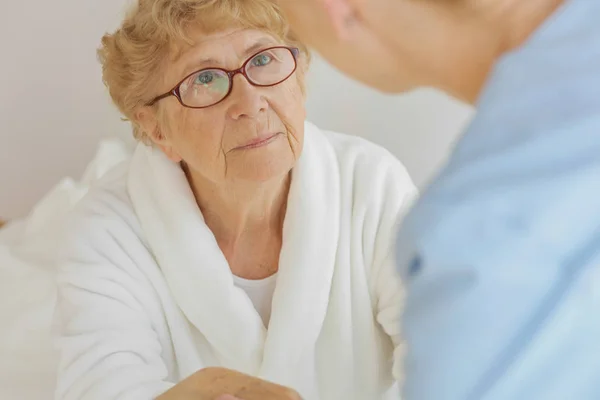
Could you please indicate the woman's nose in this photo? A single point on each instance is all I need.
(246, 99)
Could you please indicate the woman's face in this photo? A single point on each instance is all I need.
(255, 134)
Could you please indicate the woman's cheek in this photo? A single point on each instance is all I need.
(295, 98)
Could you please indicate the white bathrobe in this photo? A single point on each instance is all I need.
(146, 297)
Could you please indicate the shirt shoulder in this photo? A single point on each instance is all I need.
(103, 224)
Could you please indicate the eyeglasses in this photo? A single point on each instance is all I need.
(211, 86)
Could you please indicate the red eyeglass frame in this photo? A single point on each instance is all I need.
(231, 74)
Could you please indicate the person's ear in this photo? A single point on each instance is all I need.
(336, 11)
(341, 14)
(147, 119)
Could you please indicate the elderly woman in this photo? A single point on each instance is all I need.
(238, 236)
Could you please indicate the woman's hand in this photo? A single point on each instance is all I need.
(226, 384)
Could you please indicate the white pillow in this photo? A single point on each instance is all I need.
(27, 282)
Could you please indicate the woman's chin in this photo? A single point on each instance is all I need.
(263, 163)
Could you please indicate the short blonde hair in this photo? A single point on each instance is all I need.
(153, 29)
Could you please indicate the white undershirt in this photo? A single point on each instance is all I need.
(260, 293)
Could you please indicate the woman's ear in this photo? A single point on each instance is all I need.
(147, 119)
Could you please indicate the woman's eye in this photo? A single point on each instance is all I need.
(261, 60)
(204, 78)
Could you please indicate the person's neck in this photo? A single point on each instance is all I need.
(238, 210)
(515, 21)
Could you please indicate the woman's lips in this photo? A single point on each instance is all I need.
(259, 142)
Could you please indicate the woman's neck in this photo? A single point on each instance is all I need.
(237, 210)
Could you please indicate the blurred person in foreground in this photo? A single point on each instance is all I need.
(501, 255)
(241, 247)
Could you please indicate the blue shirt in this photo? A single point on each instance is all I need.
(501, 254)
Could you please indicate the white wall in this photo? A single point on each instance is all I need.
(52, 103)
(419, 128)
(54, 109)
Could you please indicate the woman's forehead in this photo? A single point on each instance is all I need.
(224, 49)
